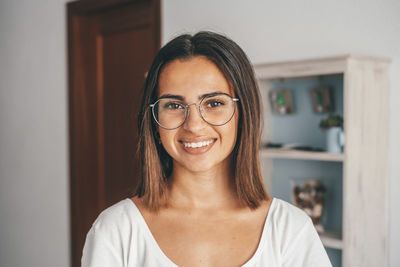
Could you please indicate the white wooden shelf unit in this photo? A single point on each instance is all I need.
(363, 240)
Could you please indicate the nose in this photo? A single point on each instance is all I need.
(194, 122)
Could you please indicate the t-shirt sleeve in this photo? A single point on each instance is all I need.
(305, 248)
(98, 250)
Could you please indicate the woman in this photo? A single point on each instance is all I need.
(201, 199)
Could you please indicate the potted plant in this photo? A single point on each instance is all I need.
(331, 121)
(333, 125)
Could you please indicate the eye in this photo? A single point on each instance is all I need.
(173, 106)
(213, 103)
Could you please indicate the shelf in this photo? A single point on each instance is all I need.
(359, 91)
(297, 154)
(331, 240)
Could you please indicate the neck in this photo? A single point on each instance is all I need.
(210, 189)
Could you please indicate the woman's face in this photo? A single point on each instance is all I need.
(197, 146)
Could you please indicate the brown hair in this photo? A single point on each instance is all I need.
(156, 164)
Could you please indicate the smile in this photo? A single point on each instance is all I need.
(199, 147)
(198, 144)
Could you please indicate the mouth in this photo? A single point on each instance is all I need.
(196, 147)
(198, 144)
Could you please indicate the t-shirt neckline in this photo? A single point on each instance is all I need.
(161, 255)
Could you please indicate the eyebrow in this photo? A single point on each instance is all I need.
(181, 98)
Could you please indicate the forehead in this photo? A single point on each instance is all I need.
(192, 77)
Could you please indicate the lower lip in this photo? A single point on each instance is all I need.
(197, 150)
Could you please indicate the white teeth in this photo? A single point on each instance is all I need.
(199, 144)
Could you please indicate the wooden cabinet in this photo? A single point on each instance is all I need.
(356, 210)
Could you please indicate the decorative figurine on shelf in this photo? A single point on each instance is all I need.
(281, 101)
(333, 125)
(321, 100)
(310, 198)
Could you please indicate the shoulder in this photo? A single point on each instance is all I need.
(120, 217)
(287, 214)
(110, 235)
(287, 221)
(299, 243)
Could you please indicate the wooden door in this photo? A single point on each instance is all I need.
(111, 45)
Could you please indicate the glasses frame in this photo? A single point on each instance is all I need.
(187, 110)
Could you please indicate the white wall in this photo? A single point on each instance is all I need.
(284, 30)
(34, 220)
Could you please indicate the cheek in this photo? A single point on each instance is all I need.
(167, 139)
(163, 135)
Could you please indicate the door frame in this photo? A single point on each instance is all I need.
(86, 143)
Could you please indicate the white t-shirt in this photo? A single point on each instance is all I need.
(121, 237)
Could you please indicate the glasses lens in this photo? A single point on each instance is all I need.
(217, 110)
(169, 113)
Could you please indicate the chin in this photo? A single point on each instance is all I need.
(199, 166)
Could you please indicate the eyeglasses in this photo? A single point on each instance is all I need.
(216, 109)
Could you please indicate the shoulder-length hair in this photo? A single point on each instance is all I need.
(156, 164)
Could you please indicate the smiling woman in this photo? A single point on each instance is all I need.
(227, 70)
(198, 80)
(201, 200)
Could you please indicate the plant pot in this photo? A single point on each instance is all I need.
(334, 140)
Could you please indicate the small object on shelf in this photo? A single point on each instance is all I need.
(334, 134)
(310, 198)
(308, 148)
(281, 101)
(321, 100)
(331, 121)
(273, 145)
(334, 140)
(293, 146)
